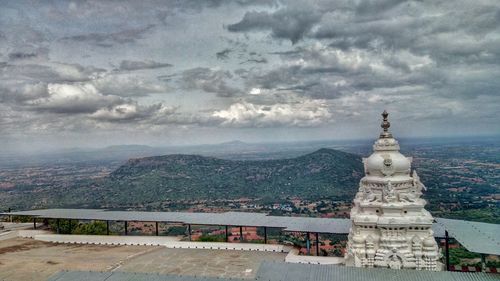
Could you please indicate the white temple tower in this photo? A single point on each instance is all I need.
(390, 227)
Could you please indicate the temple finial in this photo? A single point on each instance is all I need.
(385, 125)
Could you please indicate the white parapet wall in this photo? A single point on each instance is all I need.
(231, 246)
(169, 242)
(8, 235)
(165, 241)
(30, 233)
(105, 240)
(294, 257)
(13, 230)
(11, 226)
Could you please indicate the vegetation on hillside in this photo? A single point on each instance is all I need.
(78, 227)
(325, 173)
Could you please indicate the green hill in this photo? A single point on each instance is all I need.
(325, 173)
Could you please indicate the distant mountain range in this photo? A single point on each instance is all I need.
(237, 150)
(325, 173)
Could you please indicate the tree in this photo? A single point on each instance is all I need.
(91, 228)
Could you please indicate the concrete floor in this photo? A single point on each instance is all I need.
(27, 259)
(219, 263)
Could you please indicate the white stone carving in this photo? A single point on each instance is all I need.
(390, 227)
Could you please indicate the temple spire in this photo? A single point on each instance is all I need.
(390, 227)
(385, 125)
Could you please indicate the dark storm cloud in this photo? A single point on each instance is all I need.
(312, 71)
(288, 23)
(255, 60)
(137, 65)
(199, 5)
(318, 90)
(377, 6)
(109, 39)
(388, 24)
(275, 78)
(224, 54)
(393, 44)
(208, 80)
(167, 77)
(254, 57)
(448, 35)
(21, 55)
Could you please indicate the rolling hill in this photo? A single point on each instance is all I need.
(325, 173)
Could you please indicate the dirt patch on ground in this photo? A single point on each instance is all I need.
(25, 246)
(213, 263)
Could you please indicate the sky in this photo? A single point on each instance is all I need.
(99, 73)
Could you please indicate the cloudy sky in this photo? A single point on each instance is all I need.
(97, 73)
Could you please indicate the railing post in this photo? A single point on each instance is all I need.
(308, 244)
(227, 234)
(156, 228)
(317, 244)
(447, 249)
(265, 235)
(483, 262)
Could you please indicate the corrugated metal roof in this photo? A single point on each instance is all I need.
(303, 224)
(478, 237)
(299, 224)
(126, 276)
(277, 271)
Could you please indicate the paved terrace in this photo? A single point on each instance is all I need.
(31, 259)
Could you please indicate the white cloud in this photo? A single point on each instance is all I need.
(117, 112)
(132, 111)
(306, 113)
(77, 98)
(255, 91)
